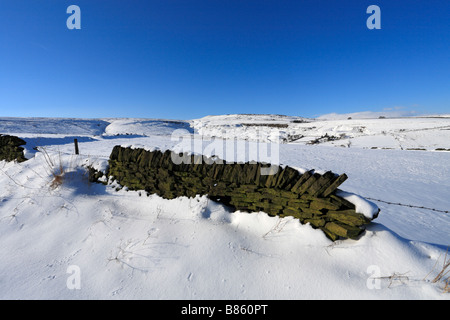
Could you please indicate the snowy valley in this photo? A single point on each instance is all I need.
(127, 245)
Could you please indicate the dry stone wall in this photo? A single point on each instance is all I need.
(10, 148)
(309, 197)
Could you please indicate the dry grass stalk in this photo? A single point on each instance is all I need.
(56, 170)
(441, 276)
(443, 273)
(401, 277)
(57, 181)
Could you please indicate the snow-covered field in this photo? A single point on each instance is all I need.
(427, 133)
(88, 241)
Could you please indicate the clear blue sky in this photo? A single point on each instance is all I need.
(184, 59)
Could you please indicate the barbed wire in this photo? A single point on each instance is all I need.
(407, 205)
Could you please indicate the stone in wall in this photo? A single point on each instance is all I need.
(10, 148)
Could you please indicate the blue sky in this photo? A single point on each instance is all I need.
(182, 59)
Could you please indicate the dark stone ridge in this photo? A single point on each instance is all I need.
(309, 197)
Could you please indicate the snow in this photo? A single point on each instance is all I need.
(128, 245)
(145, 127)
(248, 127)
(363, 206)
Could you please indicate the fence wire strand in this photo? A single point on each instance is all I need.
(407, 205)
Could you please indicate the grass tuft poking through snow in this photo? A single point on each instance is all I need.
(55, 168)
(443, 276)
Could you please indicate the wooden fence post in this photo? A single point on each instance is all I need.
(76, 146)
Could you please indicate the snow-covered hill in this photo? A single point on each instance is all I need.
(125, 245)
(428, 133)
